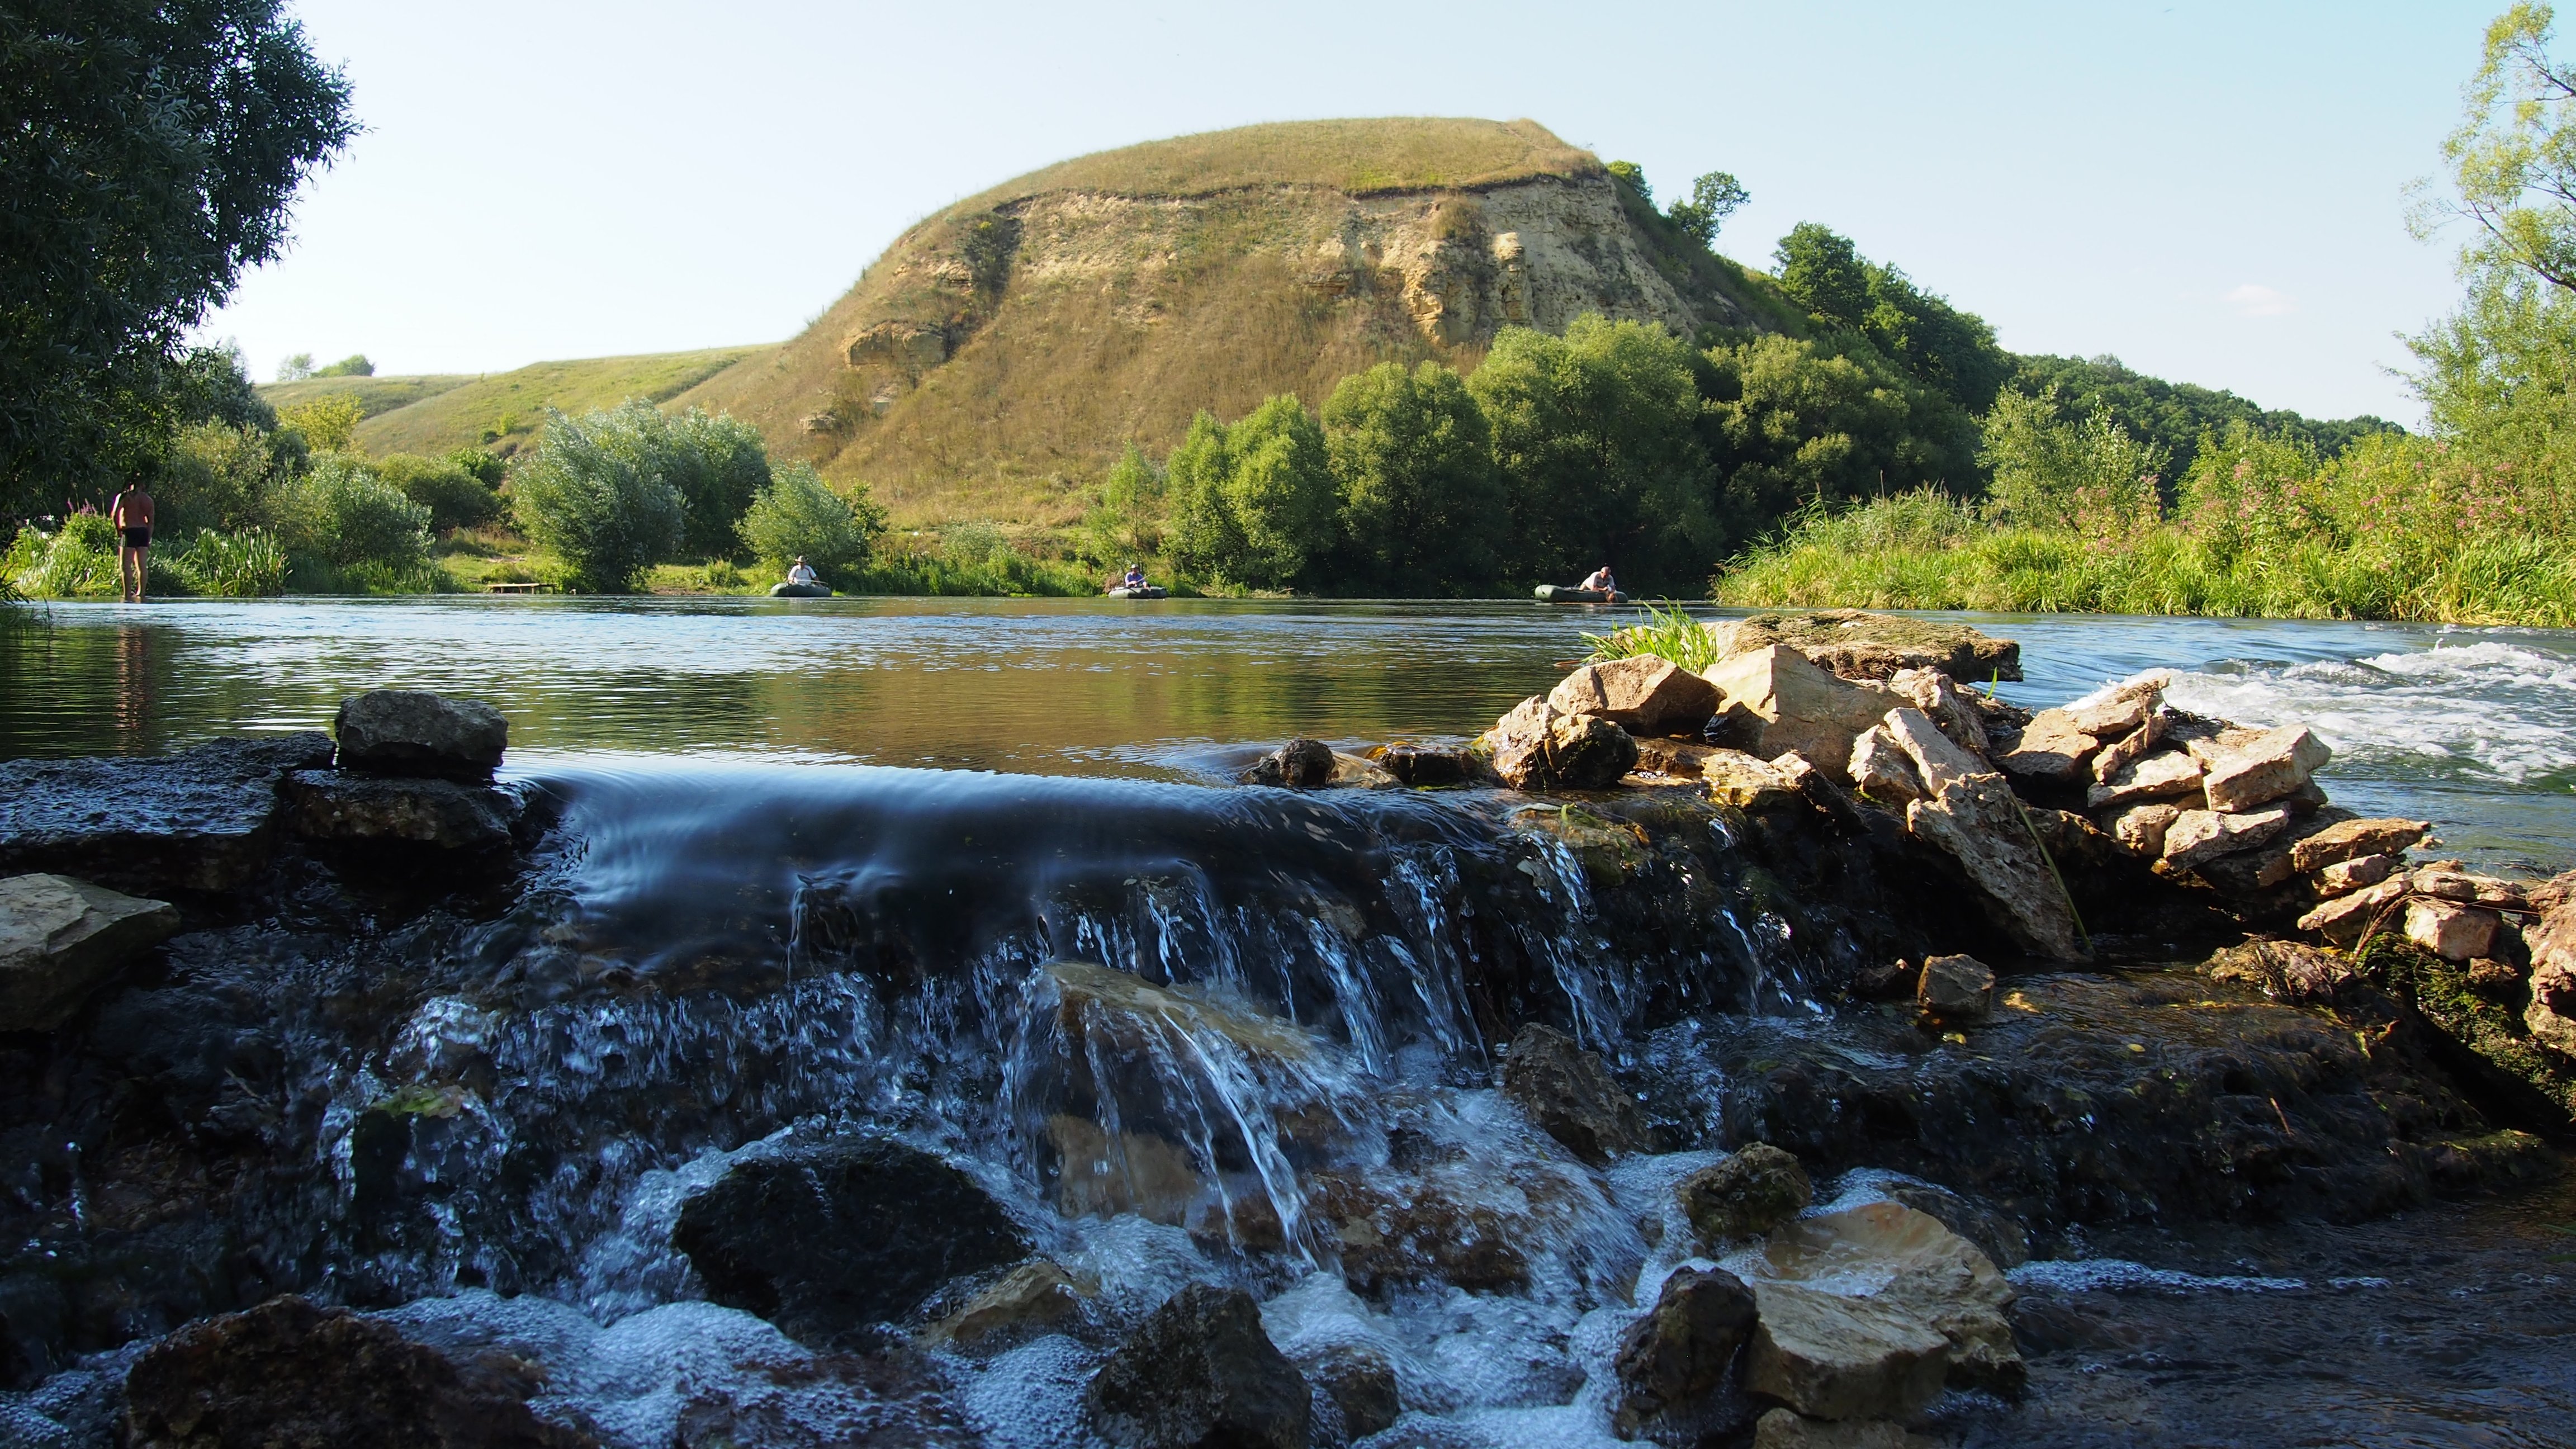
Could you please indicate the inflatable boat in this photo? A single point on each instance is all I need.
(1149, 591)
(1565, 594)
(799, 591)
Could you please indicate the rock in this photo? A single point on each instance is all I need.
(1300, 764)
(2551, 1017)
(1038, 1294)
(1570, 1095)
(2128, 749)
(1352, 772)
(1644, 695)
(1362, 1384)
(1882, 771)
(1738, 779)
(2123, 708)
(1906, 1261)
(2346, 876)
(1954, 710)
(827, 1241)
(2449, 884)
(2050, 751)
(61, 938)
(2284, 970)
(1734, 727)
(1676, 759)
(198, 820)
(1955, 990)
(1979, 823)
(2488, 973)
(2353, 839)
(1784, 1429)
(1833, 1357)
(1857, 645)
(1937, 759)
(2141, 828)
(2204, 835)
(340, 805)
(1671, 1362)
(1750, 1193)
(1199, 1373)
(289, 1374)
(2344, 919)
(2552, 893)
(1426, 767)
(2247, 874)
(2241, 769)
(2450, 930)
(2005, 1243)
(417, 733)
(1802, 708)
(1537, 748)
(2157, 777)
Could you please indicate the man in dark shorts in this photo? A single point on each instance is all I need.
(132, 515)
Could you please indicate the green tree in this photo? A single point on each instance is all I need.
(797, 515)
(1124, 522)
(327, 424)
(2049, 473)
(148, 153)
(1252, 503)
(1713, 199)
(342, 515)
(217, 477)
(2174, 415)
(353, 365)
(454, 497)
(295, 368)
(598, 498)
(1413, 461)
(1200, 529)
(1632, 176)
(1940, 345)
(717, 463)
(1595, 436)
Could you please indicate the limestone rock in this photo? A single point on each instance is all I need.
(1674, 759)
(1642, 695)
(1955, 990)
(1362, 1384)
(202, 819)
(1426, 766)
(2172, 775)
(1785, 1429)
(2004, 1241)
(414, 732)
(2353, 839)
(1858, 645)
(2204, 835)
(1738, 779)
(2244, 769)
(1300, 764)
(1916, 1266)
(1937, 759)
(1537, 748)
(1882, 771)
(287, 1373)
(2128, 749)
(2446, 883)
(2050, 751)
(2552, 893)
(60, 938)
(1979, 823)
(1954, 710)
(1675, 1359)
(1834, 1357)
(2346, 876)
(1200, 1373)
(2121, 709)
(829, 1240)
(2552, 1013)
(1802, 707)
(1570, 1095)
(2344, 919)
(1038, 1294)
(2141, 828)
(2287, 970)
(2450, 930)
(1750, 1193)
(342, 805)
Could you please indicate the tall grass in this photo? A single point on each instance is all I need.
(1664, 633)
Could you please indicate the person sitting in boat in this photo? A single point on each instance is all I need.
(1135, 578)
(798, 573)
(1600, 582)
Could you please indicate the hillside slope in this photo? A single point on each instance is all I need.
(374, 394)
(999, 355)
(433, 414)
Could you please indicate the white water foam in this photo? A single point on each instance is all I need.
(2119, 1275)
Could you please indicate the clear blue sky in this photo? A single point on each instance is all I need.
(2213, 192)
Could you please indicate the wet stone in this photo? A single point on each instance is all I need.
(1748, 1194)
(1570, 1094)
(201, 819)
(1300, 764)
(1674, 1361)
(1537, 748)
(1362, 1384)
(443, 814)
(1955, 990)
(412, 732)
(1427, 766)
(61, 938)
(1200, 1373)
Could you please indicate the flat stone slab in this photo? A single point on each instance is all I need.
(340, 805)
(61, 937)
(1860, 645)
(201, 819)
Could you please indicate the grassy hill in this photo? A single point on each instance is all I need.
(434, 414)
(374, 394)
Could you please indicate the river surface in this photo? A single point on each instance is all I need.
(693, 976)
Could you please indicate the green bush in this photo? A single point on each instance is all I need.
(798, 514)
(454, 497)
(1252, 504)
(214, 479)
(233, 565)
(340, 516)
(1413, 462)
(76, 561)
(596, 495)
(1125, 523)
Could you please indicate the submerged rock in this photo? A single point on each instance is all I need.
(1362, 1384)
(443, 814)
(1858, 645)
(1570, 1095)
(412, 732)
(1750, 1193)
(289, 1374)
(1674, 1361)
(61, 938)
(1300, 764)
(830, 1240)
(202, 819)
(1200, 1373)
(1642, 695)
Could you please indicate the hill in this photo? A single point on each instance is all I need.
(999, 355)
(374, 394)
(433, 414)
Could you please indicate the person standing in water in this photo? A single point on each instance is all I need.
(131, 514)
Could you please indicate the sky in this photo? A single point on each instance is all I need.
(2212, 192)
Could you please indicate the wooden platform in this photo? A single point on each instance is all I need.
(520, 589)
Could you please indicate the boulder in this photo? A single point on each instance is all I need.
(2552, 893)
(2446, 882)
(2128, 749)
(2243, 769)
(1785, 1429)
(202, 819)
(2552, 1013)
(414, 732)
(2140, 829)
(1675, 1360)
(1300, 764)
(1979, 823)
(341, 805)
(2172, 775)
(2197, 836)
(1362, 1384)
(1738, 779)
(60, 938)
(1427, 767)
(2004, 1241)
(1200, 1373)
(1643, 695)
(2346, 876)
(2451, 930)
(1937, 759)
(1955, 990)
(1882, 771)
(830, 1240)
(1753, 1191)
(2050, 751)
(2343, 919)
(289, 1374)
(2353, 839)
(1834, 1357)
(1037, 1295)
(1673, 759)
(1957, 712)
(1802, 708)
(1570, 1095)
(1537, 748)
(1858, 645)
(1907, 1261)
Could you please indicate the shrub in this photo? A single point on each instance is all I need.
(233, 565)
(717, 464)
(75, 561)
(598, 498)
(1413, 462)
(1252, 504)
(341, 516)
(326, 424)
(214, 479)
(353, 365)
(798, 514)
(1125, 522)
(454, 497)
